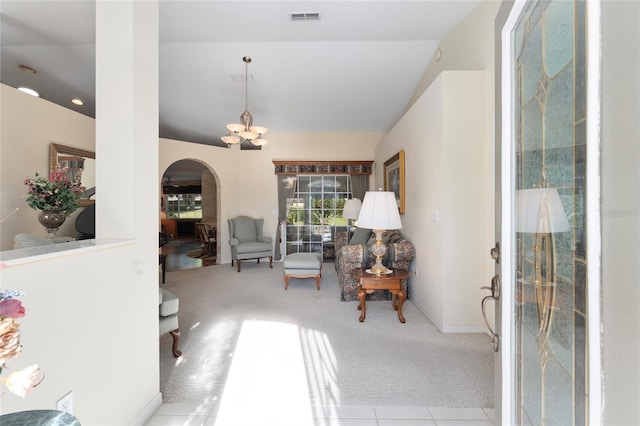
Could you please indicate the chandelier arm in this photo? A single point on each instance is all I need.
(246, 85)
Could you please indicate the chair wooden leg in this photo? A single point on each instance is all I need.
(175, 334)
(271, 262)
(238, 262)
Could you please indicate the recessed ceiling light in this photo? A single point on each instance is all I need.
(77, 101)
(27, 68)
(29, 91)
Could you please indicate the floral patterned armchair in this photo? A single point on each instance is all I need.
(349, 257)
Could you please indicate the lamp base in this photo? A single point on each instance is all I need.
(379, 250)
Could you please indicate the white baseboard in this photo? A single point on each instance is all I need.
(449, 328)
(148, 411)
(464, 329)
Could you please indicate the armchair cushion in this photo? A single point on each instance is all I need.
(169, 303)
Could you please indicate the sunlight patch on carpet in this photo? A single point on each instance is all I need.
(322, 371)
(267, 370)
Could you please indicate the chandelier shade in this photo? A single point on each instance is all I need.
(245, 130)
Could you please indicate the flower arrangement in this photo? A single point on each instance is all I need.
(58, 193)
(21, 382)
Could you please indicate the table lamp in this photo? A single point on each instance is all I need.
(351, 211)
(379, 212)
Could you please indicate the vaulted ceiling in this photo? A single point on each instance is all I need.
(352, 70)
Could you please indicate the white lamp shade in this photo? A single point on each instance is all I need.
(230, 139)
(351, 208)
(540, 210)
(236, 128)
(259, 130)
(379, 211)
(260, 142)
(248, 135)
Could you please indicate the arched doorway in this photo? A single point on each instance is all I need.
(189, 197)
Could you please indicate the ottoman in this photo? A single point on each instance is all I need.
(302, 265)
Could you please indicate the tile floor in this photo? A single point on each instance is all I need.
(182, 414)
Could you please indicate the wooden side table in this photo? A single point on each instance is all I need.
(368, 283)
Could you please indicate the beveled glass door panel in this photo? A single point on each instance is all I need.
(549, 110)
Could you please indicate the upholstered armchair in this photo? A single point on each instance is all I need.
(247, 240)
(168, 305)
(356, 254)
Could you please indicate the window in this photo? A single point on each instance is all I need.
(184, 206)
(315, 213)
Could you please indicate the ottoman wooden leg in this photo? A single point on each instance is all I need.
(286, 282)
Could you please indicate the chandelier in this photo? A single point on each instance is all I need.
(245, 130)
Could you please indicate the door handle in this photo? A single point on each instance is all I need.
(495, 295)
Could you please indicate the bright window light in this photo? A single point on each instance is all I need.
(268, 370)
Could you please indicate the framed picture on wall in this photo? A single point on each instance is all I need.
(394, 178)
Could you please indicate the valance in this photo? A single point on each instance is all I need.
(323, 167)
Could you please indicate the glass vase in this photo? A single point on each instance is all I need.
(51, 220)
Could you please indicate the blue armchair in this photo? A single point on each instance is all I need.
(247, 240)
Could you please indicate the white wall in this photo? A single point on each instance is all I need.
(620, 156)
(443, 135)
(470, 46)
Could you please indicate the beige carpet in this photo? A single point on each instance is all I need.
(245, 337)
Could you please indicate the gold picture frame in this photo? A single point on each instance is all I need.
(394, 178)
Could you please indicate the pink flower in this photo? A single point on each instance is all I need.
(11, 308)
(22, 382)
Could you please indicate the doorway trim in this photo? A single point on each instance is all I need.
(593, 209)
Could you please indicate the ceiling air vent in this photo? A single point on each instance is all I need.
(308, 16)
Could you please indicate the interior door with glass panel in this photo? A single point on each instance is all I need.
(544, 157)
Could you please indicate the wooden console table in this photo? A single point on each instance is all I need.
(368, 283)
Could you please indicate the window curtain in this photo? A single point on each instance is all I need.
(286, 188)
(359, 185)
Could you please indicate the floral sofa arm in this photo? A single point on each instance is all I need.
(340, 240)
(351, 257)
(401, 254)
